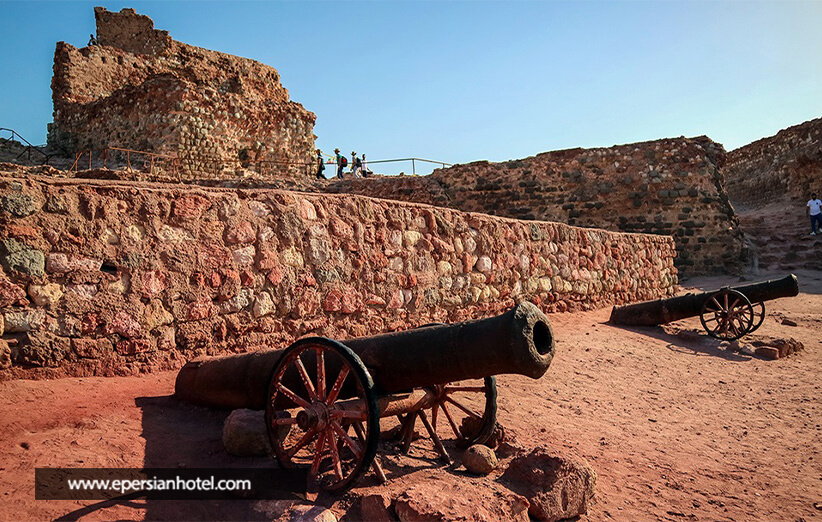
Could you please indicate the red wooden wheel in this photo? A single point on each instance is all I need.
(322, 413)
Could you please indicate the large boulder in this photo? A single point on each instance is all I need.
(556, 486)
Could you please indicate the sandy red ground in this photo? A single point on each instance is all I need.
(676, 427)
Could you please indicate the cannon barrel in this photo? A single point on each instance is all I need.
(519, 341)
(661, 311)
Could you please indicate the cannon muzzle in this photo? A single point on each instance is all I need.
(519, 341)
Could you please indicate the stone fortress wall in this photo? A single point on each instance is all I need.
(788, 164)
(668, 187)
(111, 278)
(141, 90)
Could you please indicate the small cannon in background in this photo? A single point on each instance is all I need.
(727, 313)
(323, 399)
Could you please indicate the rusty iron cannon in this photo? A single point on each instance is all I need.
(324, 399)
(727, 313)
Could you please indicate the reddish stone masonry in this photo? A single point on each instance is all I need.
(114, 278)
(141, 90)
(673, 187)
(788, 164)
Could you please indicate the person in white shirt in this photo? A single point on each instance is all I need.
(815, 211)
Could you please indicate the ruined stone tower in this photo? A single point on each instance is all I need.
(139, 89)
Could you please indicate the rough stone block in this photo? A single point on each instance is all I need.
(18, 205)
(16, 255)
(556, 486)
(245, 435)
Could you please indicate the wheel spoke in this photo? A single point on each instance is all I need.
(320, 373)
(306, 380)
(434, 411)
(732, 328)
(318, 456)
(335, 455)
(358, 429)
(293, 396)
(306, 438)
(347, 439)
(463, 408)
(451, 422)
(335, 390)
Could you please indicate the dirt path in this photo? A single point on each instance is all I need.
(676, 427)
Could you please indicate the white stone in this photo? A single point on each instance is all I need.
(238, 302)
(174, 234)
(444, 267)
(395, 264)
(110, 237)
(411, 238)
(263, 305)
(244, 256)
(86, 291)
(265, 234)
(23, 320)
(292, 257)
(470, 245)
(258, 208)
(46, 295)
(484, 264)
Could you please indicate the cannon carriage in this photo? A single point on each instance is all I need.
(727, 313)
(324, 399)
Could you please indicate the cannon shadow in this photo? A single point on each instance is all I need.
(686, 342)
(179, 435)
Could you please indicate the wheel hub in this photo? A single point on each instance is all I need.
(315, 416)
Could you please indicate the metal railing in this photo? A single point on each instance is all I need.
(333, 161)
(103, 157)
(28, 148)
(413, 162)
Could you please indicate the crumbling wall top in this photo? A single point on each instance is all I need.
(130, 32)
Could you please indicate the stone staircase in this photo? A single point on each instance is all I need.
(780, 239)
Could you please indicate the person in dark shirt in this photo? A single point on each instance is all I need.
(340, 163)
(320, 165)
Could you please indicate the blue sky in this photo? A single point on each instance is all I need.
(459, 81)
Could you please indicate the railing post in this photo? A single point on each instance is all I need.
(413, 167)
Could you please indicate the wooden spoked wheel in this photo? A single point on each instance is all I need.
(759, 315)
(727, 315)
(322, 413)
(465, 411)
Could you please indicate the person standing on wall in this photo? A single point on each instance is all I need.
(356, 165)
(320, 165)
(365, 171)
(340, 163)
(815, 212)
